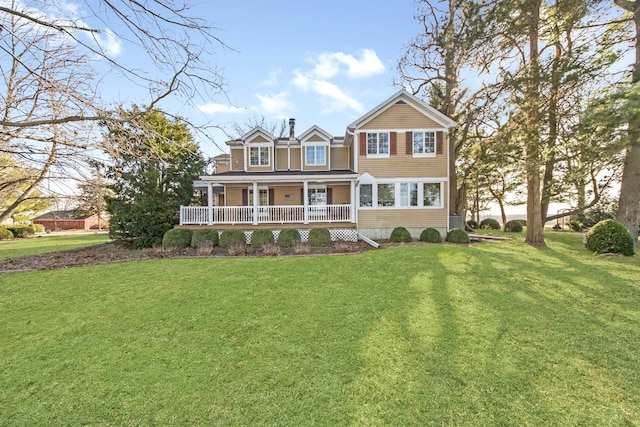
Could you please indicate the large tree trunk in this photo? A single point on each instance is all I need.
(535, 235)
(629, 209)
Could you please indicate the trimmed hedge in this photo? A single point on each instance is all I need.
(430, 235)
(177, 237)
(204, 235)
(261, 237)
(400, 235)
(5, 234)
(489, 223)
(472, 224)
(20, 231)
(456, 235)
(513, 226)
(609, 236)
(288, 237)
(319, 237)
(230, 236)
(38, 228)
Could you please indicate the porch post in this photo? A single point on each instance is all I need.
(305, 201)
(354, 203)
(209, 203)
(255, 203)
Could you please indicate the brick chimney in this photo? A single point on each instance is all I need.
(292, 128)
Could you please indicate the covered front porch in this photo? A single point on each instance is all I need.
(274, 199)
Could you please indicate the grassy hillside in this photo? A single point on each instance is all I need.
(496, 333)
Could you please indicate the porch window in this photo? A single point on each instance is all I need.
(378, 143)
(386, 195)
(409, 194)
(263, 197)
(315, 155)
(424, 142)
(259, 156)
(432, 194)
(317, 196)
(366, 195)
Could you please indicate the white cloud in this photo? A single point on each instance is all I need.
(275, 105)
(214, 108)
(328, 65)
(272, 80)
(335, 99)
(109, 43)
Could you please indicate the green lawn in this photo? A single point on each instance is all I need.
(44, 244)
(496, 333)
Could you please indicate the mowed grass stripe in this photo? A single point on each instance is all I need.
(490, 334)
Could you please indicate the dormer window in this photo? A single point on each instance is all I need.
(315, 155)
(259, 156)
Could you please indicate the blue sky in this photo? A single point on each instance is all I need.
(321, 62)
(324, 63)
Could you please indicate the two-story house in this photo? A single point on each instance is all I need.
(390, 169)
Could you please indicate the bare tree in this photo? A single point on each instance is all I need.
(53, 62)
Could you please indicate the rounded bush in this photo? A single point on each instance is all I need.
(457, 235)
(319, 237)
(37, 228)
(609, 236)
(400, 235)
(514, 226)
(289, 237)
(5, 234)
(489, 223)
(20, 231)
(204, 235)
(232, 236)
(261, 237)
(177, 237)
(430, 235)
(472, 224)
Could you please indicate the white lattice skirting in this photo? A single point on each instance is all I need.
(344, 234)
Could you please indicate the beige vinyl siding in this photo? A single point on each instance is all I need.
(339, 157)
(315, 138)
(237, 163)
(222, 167)
(295, 159)
(279, 194)
(340, 194)
(258, 138)
(403, 165)
(233, 196)
(282, 162)
(400, 117)
(391, 218)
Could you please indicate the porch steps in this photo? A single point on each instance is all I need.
(368, 240)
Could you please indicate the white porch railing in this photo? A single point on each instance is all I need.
(191, 215)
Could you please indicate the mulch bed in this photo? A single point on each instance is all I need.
(110, 253)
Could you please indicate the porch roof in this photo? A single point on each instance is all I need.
(231, 177)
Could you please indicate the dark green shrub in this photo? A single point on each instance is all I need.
(37, 228)
(522, 222)
(319, 237)
(430, 235)
(513, 226)
(232, 236)
(261, 237)
(609, 236)
(177, 237)
(20, 231)
(489, 223)
(204, 235)
(456, 235)
(5, 234)
(472, 224)
(288, 237)
(400, 235)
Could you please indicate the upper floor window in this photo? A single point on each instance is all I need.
(424, 142)
(315, 155)
(378, 143)
(259, 156)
